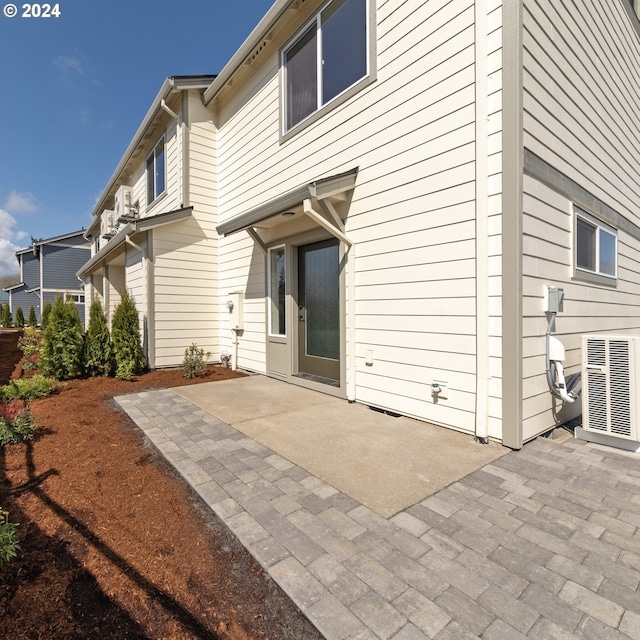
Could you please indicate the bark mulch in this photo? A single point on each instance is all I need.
(113, 543)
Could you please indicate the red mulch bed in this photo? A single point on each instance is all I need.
(113, 543)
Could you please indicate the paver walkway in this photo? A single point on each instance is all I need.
(542, 543)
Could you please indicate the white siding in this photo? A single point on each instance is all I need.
(186, 295)
(588, 308)
(582, 96)
(412, 216)
(582, 116)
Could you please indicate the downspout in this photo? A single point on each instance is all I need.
(145, 286)
(482, 226)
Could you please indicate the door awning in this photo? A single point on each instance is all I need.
(323, 189)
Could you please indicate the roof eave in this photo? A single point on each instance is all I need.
(170, 84)
(265, 25)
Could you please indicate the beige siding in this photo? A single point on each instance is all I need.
(412, 216)
(581, 116)
(588, 308)
(582, 96)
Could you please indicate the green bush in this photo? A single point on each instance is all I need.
(125, 333)
(16, 422)
(46, 312)
(6, 320)
(27, 389)
(97, 354)
(29, 342)
(8, 538)
(19, 317)
(33, 319)
(61, 353)
(194, 363)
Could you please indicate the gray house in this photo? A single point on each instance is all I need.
(47, 269)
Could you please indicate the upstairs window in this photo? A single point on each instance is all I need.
(156, 172)
(596, 246)
(325, 59)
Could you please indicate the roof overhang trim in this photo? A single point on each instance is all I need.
(131, 228)
(318, 190)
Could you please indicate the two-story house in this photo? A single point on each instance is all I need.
(48, 269)
(389, 189)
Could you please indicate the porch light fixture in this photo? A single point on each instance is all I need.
(288, 214)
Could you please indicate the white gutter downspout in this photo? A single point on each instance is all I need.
(350, 255)
(145, 299)
(482, 225)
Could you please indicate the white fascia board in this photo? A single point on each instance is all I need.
(170, 84)
(246, 48)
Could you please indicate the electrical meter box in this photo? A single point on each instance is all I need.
(235, 308)
(553, 299)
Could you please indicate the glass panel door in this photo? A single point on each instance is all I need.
(319, 310)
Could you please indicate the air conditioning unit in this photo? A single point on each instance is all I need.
(107, 221)
(123, 202)
(611, 390)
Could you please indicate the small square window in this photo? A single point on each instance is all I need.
(596, 246)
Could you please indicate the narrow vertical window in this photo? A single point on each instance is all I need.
(156, 172)
(277, 290)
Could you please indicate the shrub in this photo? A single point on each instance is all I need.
(97, 353)
(8, 539)
(16, 422)
(125, 333)
(29, 342)
(33, 320)
(194, 363)
(46, 312)
(61, 354)
(19, 317)
(38, 386)
(6, 320)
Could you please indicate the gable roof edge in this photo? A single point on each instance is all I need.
(277, 10)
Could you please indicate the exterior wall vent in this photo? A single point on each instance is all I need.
(611, 390)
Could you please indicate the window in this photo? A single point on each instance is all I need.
(326, 58)
(156, 172)
(75, 297)
(596, 246)
(277, 290)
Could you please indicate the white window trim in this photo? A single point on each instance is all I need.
(322, 109)
(580, 273)
(269, 298)
(157, 196)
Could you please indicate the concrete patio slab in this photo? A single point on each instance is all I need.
(346, 445)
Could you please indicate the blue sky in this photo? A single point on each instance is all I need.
(75, 88)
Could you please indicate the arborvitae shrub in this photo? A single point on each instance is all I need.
(6, 320)
(98, 348)
(61, 354)
(46, 311)
(125, 333)
(33, 320)
(19, 317)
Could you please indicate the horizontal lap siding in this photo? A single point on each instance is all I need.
(582, 116)
(582, 96)
(588, 308)
(60, 264)
(411, 133)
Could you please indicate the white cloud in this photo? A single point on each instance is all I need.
(21, 203)
(70, 64)
(8, 248)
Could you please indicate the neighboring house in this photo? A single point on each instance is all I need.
(153, 228)
(47, 269)
(393, 184)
